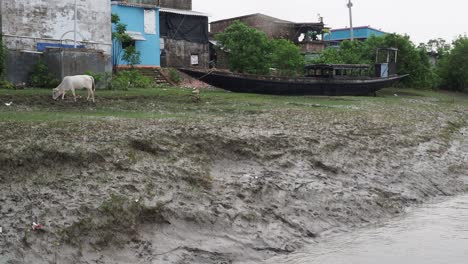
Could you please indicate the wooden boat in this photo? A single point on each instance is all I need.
(320, 79)
(325, 83)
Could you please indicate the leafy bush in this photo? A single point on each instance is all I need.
(41, 77)
(174, 76)
(453, 67)
(128, 79)
(286, 57)
(131, 56)
(102, 80)
(97, 76)
(6, 85)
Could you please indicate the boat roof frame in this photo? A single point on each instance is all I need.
(337, 67)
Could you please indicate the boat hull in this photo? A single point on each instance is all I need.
(292, 85)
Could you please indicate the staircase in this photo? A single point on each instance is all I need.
(156, 75)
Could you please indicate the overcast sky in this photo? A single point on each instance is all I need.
(421, 19)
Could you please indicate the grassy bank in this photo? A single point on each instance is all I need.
(37, 105)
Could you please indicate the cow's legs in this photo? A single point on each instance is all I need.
(63, 95)
(92, 95)
(87, 99)
(74, 94)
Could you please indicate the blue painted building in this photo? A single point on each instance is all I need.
(142, 22)
(336, 36)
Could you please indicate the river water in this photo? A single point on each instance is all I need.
(433, 234)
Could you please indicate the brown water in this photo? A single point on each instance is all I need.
(433, 234)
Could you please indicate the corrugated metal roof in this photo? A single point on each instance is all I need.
(182, 12)
(134, 5)
(274, 19)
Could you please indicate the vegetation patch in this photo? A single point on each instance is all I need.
(451, 128)
(41, 76)
(116, 218)
(146, 146)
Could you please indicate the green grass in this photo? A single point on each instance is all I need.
(160, 103)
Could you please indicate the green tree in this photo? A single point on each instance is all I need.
(438, 46)
(119, 36)
(250, 51)
(411, 59)
(453, 68)
(131, 56)
(329, 56)
(286, 57)
(247, 49)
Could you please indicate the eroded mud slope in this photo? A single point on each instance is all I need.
(223, 191)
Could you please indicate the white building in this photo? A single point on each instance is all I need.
(30, 27)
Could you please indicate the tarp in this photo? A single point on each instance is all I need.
(43, 46)
(184, 27)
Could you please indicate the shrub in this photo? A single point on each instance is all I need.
(41, 77)
(97, 76)
(131, 56)
(6, 85)
(174, 76)
(128, 79)
(286, 58)
(102, 80)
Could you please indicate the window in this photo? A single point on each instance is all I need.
(194, 59)
(150, 21)
(128, 44)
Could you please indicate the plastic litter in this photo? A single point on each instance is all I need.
(37, 227)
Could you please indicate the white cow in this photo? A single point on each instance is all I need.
(71, 83)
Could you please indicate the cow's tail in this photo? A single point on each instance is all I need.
(94, 84)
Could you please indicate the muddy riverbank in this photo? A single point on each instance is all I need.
(232, 188)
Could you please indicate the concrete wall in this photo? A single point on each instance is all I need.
(312, 46)
(19, 66)
(178, 53)
(261, 22)
(149, 48)
(61, 63)
(176, 4)
(25, 23)
(66, 62)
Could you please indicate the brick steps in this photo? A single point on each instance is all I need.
(155, 74)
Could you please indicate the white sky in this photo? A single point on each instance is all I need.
(421, 19)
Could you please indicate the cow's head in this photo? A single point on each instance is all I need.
(56, 93)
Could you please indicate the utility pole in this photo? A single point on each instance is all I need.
(350, 6)
(74, 30)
